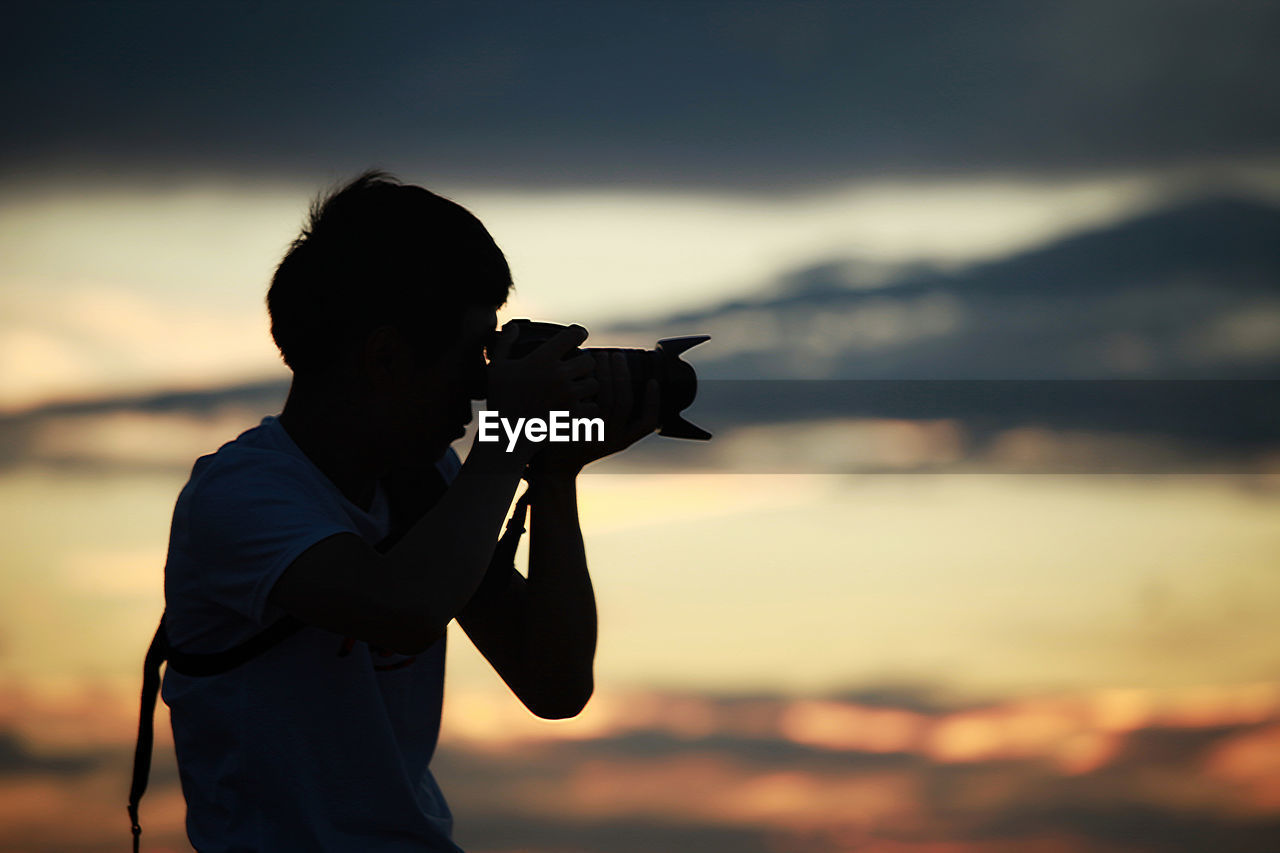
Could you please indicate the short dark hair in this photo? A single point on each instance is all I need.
(379, 252)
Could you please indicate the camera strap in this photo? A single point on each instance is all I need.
(503, 562)
(216, 663)
(496, 578)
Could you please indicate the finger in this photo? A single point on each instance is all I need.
(579, 366)
(566, 339)
(623, 398)
(605, 376)
(587, 410)
(581, 389)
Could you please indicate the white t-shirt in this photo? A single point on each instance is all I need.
(320, 743)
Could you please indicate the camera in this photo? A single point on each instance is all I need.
(677, 382)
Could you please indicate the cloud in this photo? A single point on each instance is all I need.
(98, 339)
(16, 758)
(837, 366)
(158, 431)
(714, 94)
(37, 364)
(1078, 772)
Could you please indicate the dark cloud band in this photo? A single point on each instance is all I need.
(729, 95)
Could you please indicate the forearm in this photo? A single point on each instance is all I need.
(561, 602)
(436, 567)
(539, 632)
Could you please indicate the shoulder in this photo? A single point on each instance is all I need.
(249, 488)
(247, 511)
(244, 471)
(254, 463)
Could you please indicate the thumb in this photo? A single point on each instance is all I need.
(500, 346)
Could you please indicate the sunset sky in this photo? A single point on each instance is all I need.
(635, 161)
(134, 255)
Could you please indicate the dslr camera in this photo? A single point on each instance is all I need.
(677, 382)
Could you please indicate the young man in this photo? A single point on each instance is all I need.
(350, 514)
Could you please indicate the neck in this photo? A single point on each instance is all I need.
(334, 434)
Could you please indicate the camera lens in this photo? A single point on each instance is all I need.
(677, 380)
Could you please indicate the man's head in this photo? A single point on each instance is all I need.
(380, 253)
(390, 288)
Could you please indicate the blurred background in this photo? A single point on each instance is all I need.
(985, 555)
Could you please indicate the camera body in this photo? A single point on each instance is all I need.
(677, 381)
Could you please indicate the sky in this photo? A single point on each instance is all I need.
(776, 96)
(109, 289)
(635, 161)
(631, 159)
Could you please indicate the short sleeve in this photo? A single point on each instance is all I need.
(449, 465)
(247, 518)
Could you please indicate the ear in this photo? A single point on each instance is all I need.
(385, 357)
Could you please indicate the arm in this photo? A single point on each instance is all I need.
(404, 599)
(540, 634)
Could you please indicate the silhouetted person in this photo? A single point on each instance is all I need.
(350, 519)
